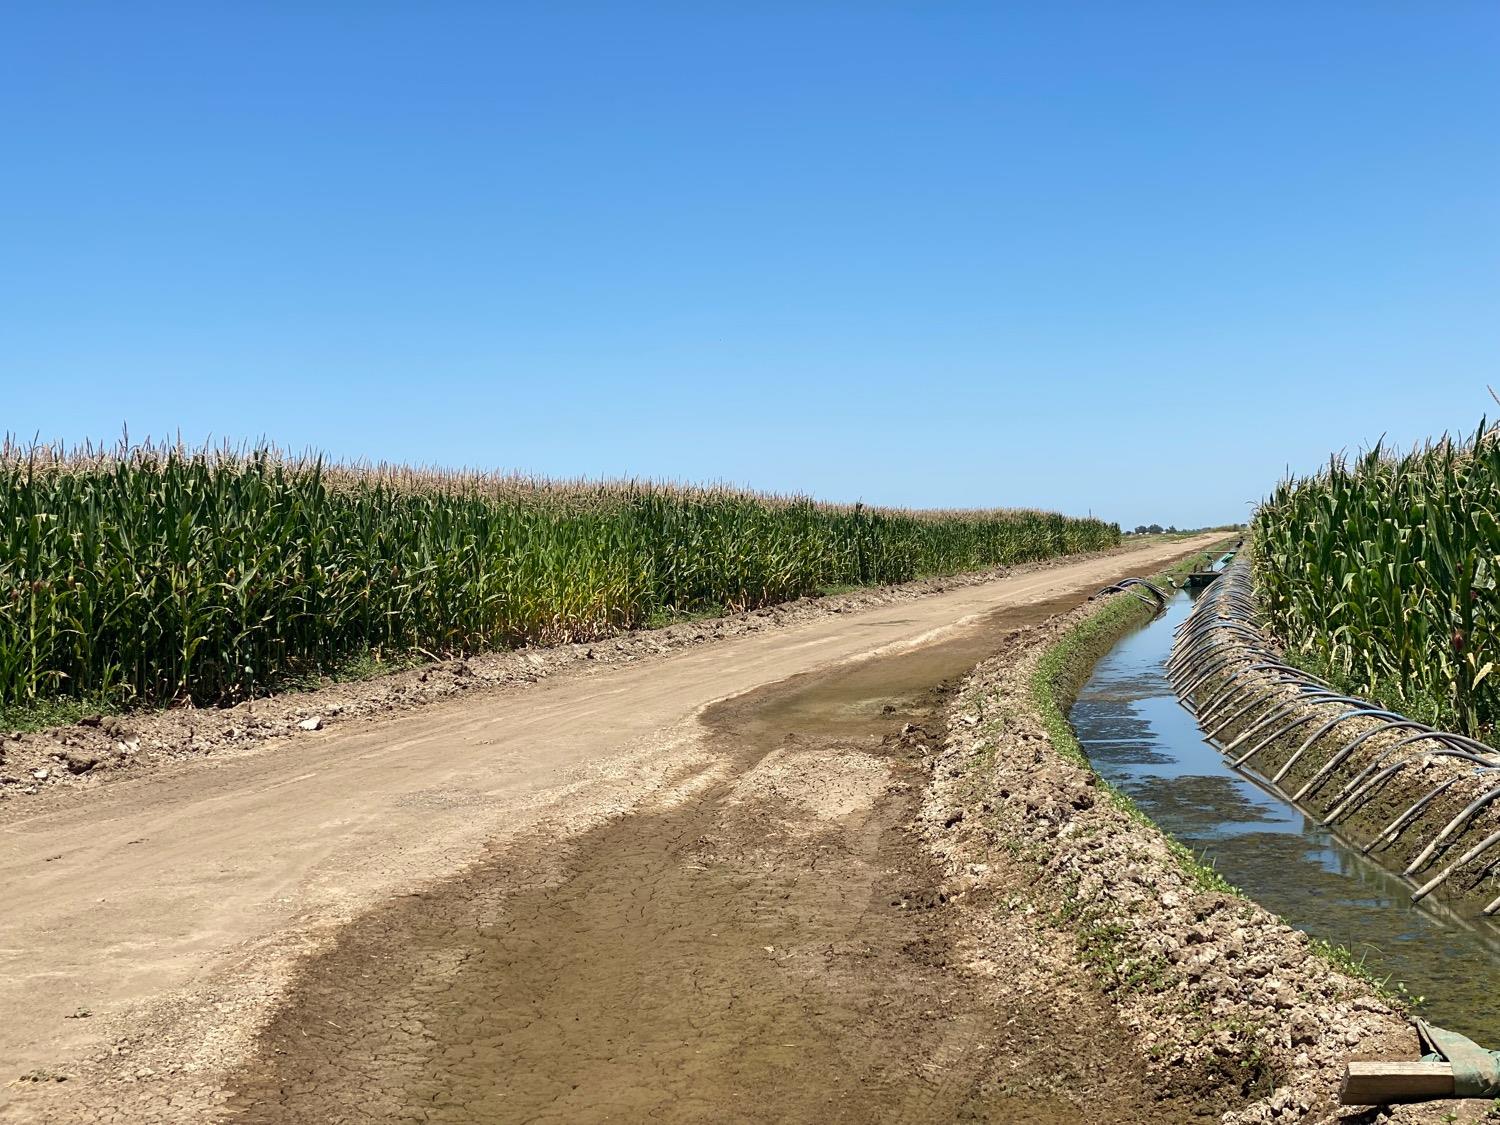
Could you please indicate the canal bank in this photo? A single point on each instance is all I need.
(1143, 742)
(1220, 995)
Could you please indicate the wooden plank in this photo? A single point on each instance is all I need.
(1380, 1082)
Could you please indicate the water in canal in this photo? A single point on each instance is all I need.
(1145, 743)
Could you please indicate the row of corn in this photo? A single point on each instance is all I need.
(152, 574)
(1380, 572)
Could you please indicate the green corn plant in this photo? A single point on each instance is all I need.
(1381, 569)
(147, 574)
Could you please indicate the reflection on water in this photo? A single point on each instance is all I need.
(1144, 742)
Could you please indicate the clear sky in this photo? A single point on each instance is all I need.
(1129, 258)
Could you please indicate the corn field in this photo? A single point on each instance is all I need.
(1381, 570)
(153, 574)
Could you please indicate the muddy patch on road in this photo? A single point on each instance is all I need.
(777, 948)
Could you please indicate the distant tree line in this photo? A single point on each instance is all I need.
(1157, 529)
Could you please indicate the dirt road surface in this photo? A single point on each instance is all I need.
(678, 890)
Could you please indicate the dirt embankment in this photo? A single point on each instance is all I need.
(1215, 992)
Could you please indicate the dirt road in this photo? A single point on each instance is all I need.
(448, 916)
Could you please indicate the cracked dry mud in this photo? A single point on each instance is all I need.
(775, 949)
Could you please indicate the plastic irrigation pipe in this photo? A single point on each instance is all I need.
(1461, 820)
(1239, 601)
(1195, 616)
(1231, 589)
(1211, 630)
(1366, 710)
(1242, 604)
(1204, 616)
(1270, 693)
(1223, 695)
(1467, 755)
(1213, 640)
(1201, 627)
(1190, 684)
(1269, 698)
(1193, 674)
(1202, 677)
(1270, 663)
(1202, 608)
(1478, 747)
(1214, 609)
(1244, 653)
(1380, 756)
(1185, 644)
(1193, 656)
(1234, 593)
(1235, 575)
(1225, 690)
(1202, 643)
(1224, 599)
(1281, 710)
(1232, 609)
(1349, 804)
(1224, 714)
(1451, 752)
(1204, 623)
(1214, 597)
(1230, 693)
(1400, 824)
(1473, 853)
(1285, 729)
(1287, 675)
(1157, 590)
(1127, 587)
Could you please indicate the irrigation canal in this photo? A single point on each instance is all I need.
(1145, 743)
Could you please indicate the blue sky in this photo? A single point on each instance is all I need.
(1128, 258)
